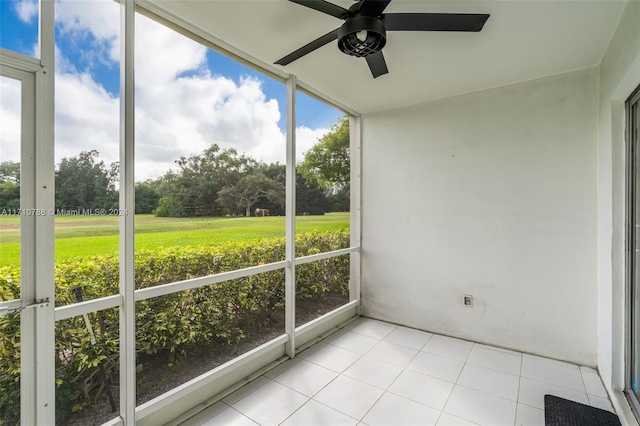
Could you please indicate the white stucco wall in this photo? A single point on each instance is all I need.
(491, 194)
(619, 76)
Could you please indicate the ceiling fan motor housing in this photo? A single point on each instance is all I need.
(351, 39)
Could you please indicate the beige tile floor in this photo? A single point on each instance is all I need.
(375, 373)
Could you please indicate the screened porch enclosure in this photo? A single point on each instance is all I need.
(495, 167)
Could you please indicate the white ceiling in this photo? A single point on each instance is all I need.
(522, 40)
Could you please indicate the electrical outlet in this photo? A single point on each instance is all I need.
(468, 300)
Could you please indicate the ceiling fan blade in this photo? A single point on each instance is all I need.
(374, 7)
(315, 44)
(434, 21)
(324, 7)
(377, 64)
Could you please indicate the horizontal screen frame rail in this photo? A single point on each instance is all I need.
(115, 301)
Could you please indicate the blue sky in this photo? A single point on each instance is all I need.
(187, 96)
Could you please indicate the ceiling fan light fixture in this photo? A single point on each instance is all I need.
(362, 36)
(364, 32)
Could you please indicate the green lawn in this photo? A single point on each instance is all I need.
(96, 235)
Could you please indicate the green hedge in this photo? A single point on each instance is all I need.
(221, 313)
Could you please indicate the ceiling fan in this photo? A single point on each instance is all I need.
(363, 33)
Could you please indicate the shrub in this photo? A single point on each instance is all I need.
(170, 206)
(222, 313)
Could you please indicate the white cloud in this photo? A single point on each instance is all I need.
(87, 117)
(162, 54)
(98, 18)
(181, 107)
(10, 119)
(183, 115)
(27, 10)
(188, 115)
(306, 138)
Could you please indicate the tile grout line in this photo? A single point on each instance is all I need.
(215, 415)
(381, 360)
(242, 414)
(334, 409)
(339, 375)
(360, 420)
(553, 384)
(515, 420)
(386, 390)
(418, 351)
(514, 354)
(589, 395)
(585, 386)
(409, 347)
(453, 388)
(256, 389)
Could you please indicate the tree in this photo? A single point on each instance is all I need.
(9, 185)
(84, 183)
(275, 171)
(200, 178)
(310, 198)
(340, 201)
(10, 172)
(147, 197)
(249, 190)
(328, 161)
(278, 173)
(169, 206)
(9, 196)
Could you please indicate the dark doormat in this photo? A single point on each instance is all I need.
(562, 412)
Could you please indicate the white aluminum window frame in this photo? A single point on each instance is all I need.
(205, 389)
(202, 390)
(632, 268)
(37, 247)
(37, 362)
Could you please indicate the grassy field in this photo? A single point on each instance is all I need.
(96, 235)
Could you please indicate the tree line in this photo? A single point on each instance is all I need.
(217, 182)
